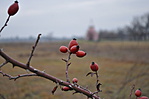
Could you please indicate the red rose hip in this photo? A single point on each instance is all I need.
(80, 54)
(74, 80)
(74, 49)
(72, 43)
(63, 49)
(138, 92)
(143, 97)
(65, 88)
(13, 9)
(94, 66)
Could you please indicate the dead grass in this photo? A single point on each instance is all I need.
(119, 62)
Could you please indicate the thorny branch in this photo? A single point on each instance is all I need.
(36, 72)
(5, 24)
(33, 49)
(47, 76)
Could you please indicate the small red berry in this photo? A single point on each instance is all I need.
(143, 97)
(80, 53)
(94, 66)
(63, 49)
(65, 88)
(74, 80)
(72, 43)
(13, 9)
(138, 92)
(74, 49)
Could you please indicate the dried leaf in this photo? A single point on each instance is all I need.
(90, 73)
(98, 87)
(54, 89)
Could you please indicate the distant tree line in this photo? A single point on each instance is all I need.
(137, 31)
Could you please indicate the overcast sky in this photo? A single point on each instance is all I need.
(67, 18)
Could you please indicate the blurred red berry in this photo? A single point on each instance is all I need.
(80, 53)
(94, 66)
(143, 97)
(13, 9)
(74, 49)
(138, 92)
(72, 43)
(63, 49)
(74, 80)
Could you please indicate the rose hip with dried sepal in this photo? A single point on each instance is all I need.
(13, 9)
(94, 66)
(138, 92)
(72, 43)
(74, 49)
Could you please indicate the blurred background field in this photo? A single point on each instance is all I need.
(122, 64)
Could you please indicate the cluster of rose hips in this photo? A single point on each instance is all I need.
(138, 94)
(73, 48)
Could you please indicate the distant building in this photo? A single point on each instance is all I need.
(91, 34)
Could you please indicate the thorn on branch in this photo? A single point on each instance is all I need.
(64, 60)
(13, 65)
(33, 49)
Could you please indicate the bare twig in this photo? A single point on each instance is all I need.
(132, 88)
(5, 24)
(16, 77)
(1, 65)
(67, 66)
(33, 49)
(47, 76)
(97, 78)
(97, 84)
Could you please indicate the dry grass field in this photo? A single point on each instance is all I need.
(122, 64)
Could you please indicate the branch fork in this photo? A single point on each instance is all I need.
(36, 72)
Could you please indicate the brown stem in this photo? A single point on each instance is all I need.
(33, 49)
(97, 77)
(5, 24)
(67, 66)
(47, 76)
